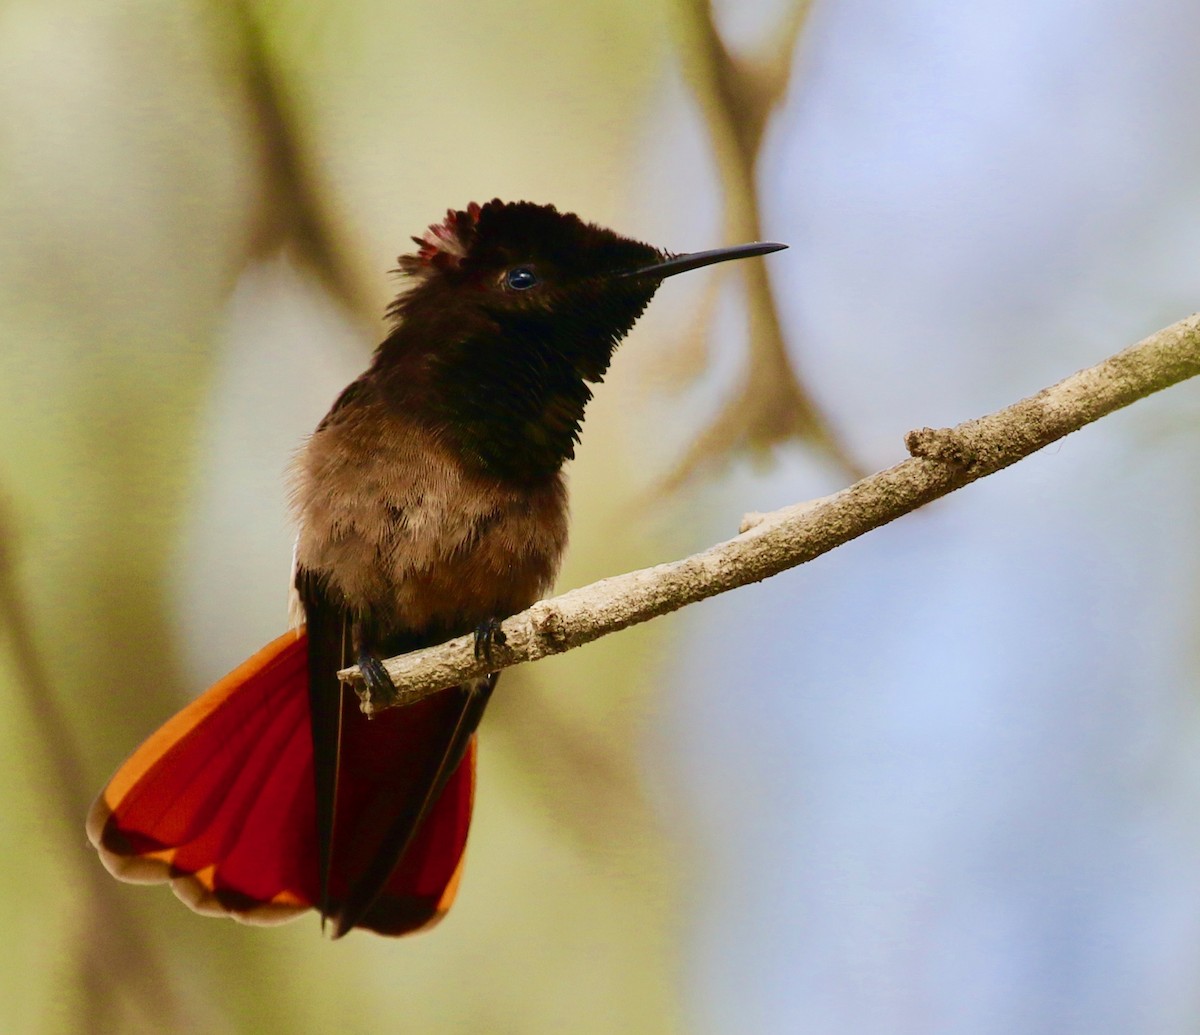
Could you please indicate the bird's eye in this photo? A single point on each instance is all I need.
(521, 278)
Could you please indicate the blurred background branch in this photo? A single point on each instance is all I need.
(296, 204)
(112, 958)
(770, 404)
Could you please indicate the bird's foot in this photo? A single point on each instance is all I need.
(375, 676)
(488, 634)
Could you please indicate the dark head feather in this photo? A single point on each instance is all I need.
(510, 308)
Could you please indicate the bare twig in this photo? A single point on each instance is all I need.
(942, 460)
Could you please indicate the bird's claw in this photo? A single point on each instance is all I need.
(488, 634)
(379, 684)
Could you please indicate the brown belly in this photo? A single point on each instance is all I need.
(403, 532)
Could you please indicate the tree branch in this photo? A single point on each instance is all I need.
(942, 460)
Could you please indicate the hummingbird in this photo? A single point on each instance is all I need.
(429, 503)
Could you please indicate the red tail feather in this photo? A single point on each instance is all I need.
(220, 803)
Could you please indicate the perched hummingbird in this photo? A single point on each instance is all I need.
(430, 503)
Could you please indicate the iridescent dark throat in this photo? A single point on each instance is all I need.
(512, 309)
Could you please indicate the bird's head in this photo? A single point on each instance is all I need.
(513, 307)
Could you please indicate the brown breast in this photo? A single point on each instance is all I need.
(405, 532)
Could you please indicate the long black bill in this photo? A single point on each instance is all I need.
(694, 260)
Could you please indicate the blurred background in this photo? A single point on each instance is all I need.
(945, 779)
